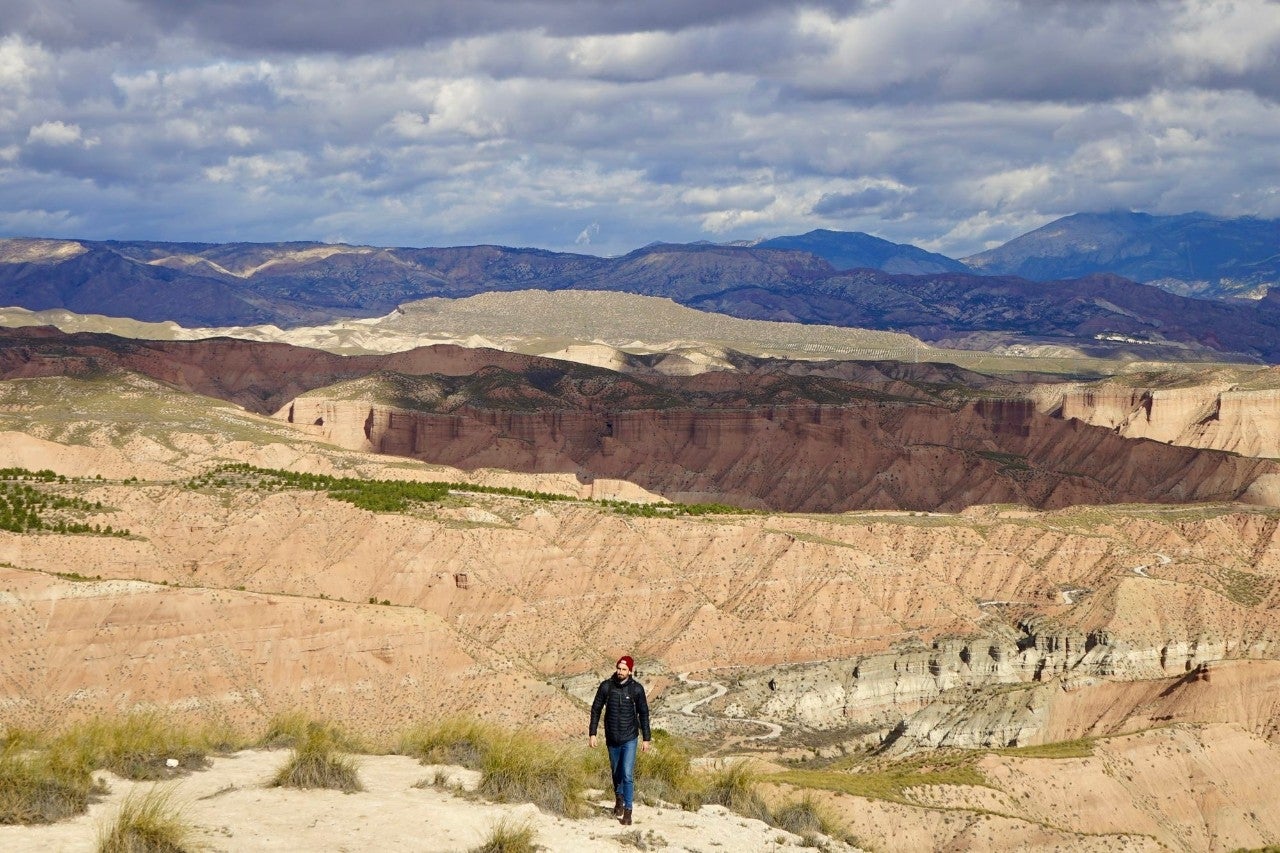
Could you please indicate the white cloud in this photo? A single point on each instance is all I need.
(587, 234)
(55, 133)
(948, 125)
(20, 63)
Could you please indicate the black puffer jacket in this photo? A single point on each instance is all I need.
(626, 711)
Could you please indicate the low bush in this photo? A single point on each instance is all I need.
(316, 762)
(148, 823)
(508, 837)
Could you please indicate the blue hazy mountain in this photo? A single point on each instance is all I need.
(1191, 254)
(847, 250)
(296, 284)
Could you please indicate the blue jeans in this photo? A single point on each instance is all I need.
(622, 758)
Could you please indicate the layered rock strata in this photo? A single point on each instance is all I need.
(861, 455)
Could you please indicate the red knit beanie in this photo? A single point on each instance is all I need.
(631, 665)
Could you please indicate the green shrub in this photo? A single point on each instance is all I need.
(520, 768)
(508, 837)
(148, 823)
(317, 763)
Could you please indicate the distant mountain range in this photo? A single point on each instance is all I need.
(826, 277)
(847, 250)
(1193, 254)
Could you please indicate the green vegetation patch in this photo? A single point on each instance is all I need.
(672, 510)
(890, 782)
(1006, 460)
(27, 509)
(1245, 588)
(404, 495)
(1081, 748)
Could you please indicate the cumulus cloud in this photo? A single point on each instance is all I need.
(516, 121)
(56, 133)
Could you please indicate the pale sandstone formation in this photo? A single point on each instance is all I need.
(1214, 415)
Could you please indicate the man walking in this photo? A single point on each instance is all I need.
(626, 718)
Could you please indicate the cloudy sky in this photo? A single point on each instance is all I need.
(600, 125)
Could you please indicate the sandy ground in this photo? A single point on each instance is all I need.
(234, 812)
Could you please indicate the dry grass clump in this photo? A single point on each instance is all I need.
(518, 767)
(42, 785)
(143, 746)
(514, 766)
(148, 823)
(291, 728)
(457, 740)
(807, 818)
(734, 787)
(317, 762)
(508, 837)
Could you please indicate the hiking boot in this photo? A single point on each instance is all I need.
(617, 805)
(626, 817)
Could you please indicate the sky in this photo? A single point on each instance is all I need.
(599, 126)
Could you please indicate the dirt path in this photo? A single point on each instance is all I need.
(773, 730)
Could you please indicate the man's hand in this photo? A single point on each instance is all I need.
(644, 746)
(591, 741)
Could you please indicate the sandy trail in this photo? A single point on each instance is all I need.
(234, 812)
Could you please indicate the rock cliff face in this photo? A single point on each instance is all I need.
(1005, 689)
(868, 455)
(1213, 415)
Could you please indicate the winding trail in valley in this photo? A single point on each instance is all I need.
(773, 730)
